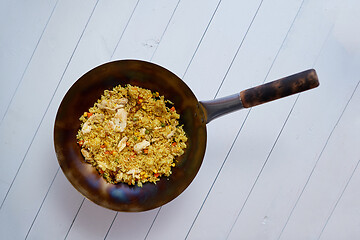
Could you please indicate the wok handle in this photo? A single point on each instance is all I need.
(283, 87)
(280, 88)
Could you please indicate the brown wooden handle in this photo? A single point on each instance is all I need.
(280, 88)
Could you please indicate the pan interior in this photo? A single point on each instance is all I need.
(84, 93)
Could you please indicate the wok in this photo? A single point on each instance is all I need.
(194, 116)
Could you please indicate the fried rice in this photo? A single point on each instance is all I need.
(131, 135)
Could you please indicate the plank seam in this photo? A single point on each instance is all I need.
(313, 169)
(107, 233)
(47, 108)
(157, 213)
(110, 58)
(238, 49)
(222, 165)
(42, 203)
(122, 34)
(192, 57)
(27, 65)
(337, 202)
(72, 223)
(326, 142)
(166, 28)
(233, 143)
(202, 38)
(162, 35)
(266, 76)
(50, 102)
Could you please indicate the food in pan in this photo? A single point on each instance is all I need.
(131, 135)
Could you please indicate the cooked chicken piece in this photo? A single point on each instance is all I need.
(122, 144)
(111, 125)
(133, 92)
(171, 134)
(86, 154)
(97, 117)
(121, 101)
(103, 104)
(134, 172)
(86, 127)
(159, 110)
(102, 165)
(120, 120)
(140, 146)
(142, 131)
(92, 119)
(112, 105)
(154, 139)
(119, 176)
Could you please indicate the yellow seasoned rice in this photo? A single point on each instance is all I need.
(130, 135)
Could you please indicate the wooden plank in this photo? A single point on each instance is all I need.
(329, 178)
(92, 222)
(242, 74)
(344, 222)
(46, 133)
(22, 24)
(22, 111)
(144, 33)
(57, 211)
(183, 35)
(134, 225)
(37, 161)
(221, 42)
(292, 158)
(29, 104)
(337, 161)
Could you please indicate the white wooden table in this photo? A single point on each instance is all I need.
(284, 170)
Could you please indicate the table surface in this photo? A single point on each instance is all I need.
(288, 169)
